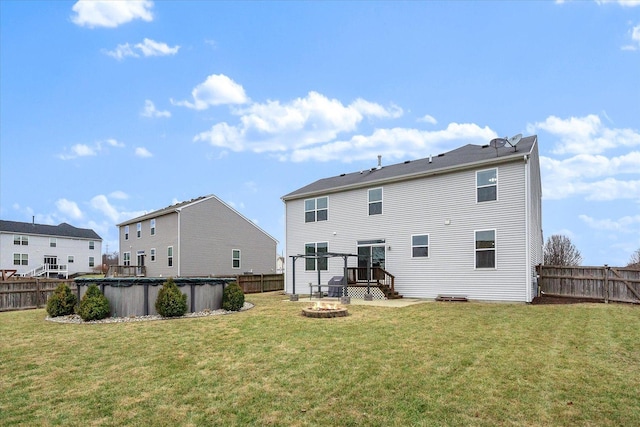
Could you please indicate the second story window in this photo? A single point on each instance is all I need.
(375, 201)
(153, 227)
(21, 240)
(170, 256)
(316, 209)
(487, 185)
(92, 244)
(126, 232)
(53, 242)
(153, 254)
(139, 230)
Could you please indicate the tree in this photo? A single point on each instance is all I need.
(634, 261)
(558, 250)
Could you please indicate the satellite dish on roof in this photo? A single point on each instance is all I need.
(498, 143)
(513, 141)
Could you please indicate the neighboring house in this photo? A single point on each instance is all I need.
(463, 223)
(48, 250)
(196, 238)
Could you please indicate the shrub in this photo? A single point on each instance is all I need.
(93, 305)
(232, 297)
(171, 302)
(62, 302)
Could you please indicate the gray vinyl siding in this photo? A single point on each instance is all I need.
(536, 238)
(211, 230)
(421, 206)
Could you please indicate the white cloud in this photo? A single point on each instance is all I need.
(624, 3)
(110, 14)
(151, 111)
(634, 34)
(147, 48)
(428, 119)
(101, 204)
(84, 150)
(217, 89)
(143, 152)
(275, 126)
(585, 135)
(626, 224)
(67, 207)
(119, 195)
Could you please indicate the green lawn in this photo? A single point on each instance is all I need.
(428, 364)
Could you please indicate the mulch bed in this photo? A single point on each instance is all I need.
(545, 299)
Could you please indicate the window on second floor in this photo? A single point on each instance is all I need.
(420, 245)
(170, 256)
(235, 258)
(153, 254)
(375, 201)
(487, 185)
(53, 242)
(316, 209)
(92, 244)
(315, 249)
(153, 227)
(139, 230)
(70, 259)
(21, 240)
(126, 232)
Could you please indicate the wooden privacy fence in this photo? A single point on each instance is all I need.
(254, 283)
(29, 293)
(604, 283)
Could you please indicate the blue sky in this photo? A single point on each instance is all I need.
(109, 110)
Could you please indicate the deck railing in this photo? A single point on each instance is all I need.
(126, 271)
(376, 276)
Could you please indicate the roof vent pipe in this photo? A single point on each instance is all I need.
(379, 161)
(430, 158)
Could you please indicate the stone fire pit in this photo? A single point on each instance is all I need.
(324, 311)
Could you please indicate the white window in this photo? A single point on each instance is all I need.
(126, 258)
(420, 246)
(316, 209)
(170, 256)
(153, 254)
(375, 201)
(92, 244)
(487, 185)
(92, 261)
(20, 259)
(485, 248)
(315, 249)
(21, 240)
(53, 242)
(139, 230)
(70, 259)
(235, 258)
(153, 227)
(126, 232)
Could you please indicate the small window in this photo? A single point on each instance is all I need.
(420, 246)
(139, 230)
(316, 209)
(235, 258)
(53, 242)
(487, 185)
(153, 227)
(92, 245)
(70, 259)
(126, 258)
(486, 249)
(375, 201)
(316, 249)
(152, 254)
(170, 256)
(21, 240)
(20, 259)
(126, 232)
(92, 261)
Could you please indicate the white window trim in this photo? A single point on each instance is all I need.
(428, 246)
(139, 230)
(239, 259)
(153, 255)
(126, 232)
(381, 201)
(152, 227)
(484, 186)
(124, 258)
(495, 249)
(170, 257)
(315, 209)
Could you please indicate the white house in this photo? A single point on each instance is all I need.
(199, 237)
(48, 250)
(462, 223)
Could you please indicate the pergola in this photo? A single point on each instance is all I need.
(324, 255)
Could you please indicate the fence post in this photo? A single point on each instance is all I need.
(261, 282)
(37, 293)
(606, 284)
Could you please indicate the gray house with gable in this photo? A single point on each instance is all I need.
(196, 238)
(465, 223)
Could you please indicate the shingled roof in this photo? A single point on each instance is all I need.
(62, 230)
(163, 211)
(468, 155)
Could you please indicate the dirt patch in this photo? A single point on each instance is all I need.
(546, 299)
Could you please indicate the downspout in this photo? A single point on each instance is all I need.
(527, 223)
(179, 251)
